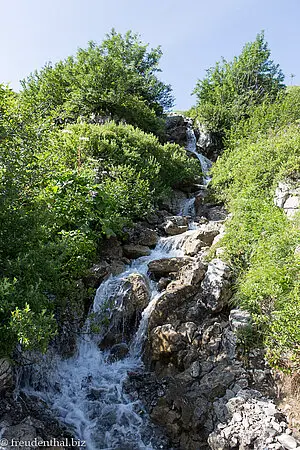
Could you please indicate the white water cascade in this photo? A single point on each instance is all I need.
(192, 147)
(86, 391)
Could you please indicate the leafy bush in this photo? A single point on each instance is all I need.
(231, 90)
(260, 240)
(61, 192)
(117, 78)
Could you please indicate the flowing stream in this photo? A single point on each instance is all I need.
(86, 391)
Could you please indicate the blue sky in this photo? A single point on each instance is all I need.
(193, 34)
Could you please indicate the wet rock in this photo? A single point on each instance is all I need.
(175, 202)
(208, 143)
(163, 283)
(118, 351)
(176, 225)
(216, 286)
(164, 266)
(6, 375)
(176, 126)
(97, 273)
(126, 310)
(27, 418)
(136, 251)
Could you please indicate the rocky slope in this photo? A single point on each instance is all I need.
(200, 385)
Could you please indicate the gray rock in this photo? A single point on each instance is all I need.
(136, 251)
(216, 285)
(118, 351)
(6, 375)
(287, 197)
(176, 225)
(164, 266)
(239, 319)
(287, 441)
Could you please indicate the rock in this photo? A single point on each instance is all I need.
(136, 251)
(287, 197)
(208, 143)
(201, 238)
(118, 351)
(216, 286)
(175, 202)
(164, 266)
(127, 305)
(176, 126)
(96, 274)
(193, 245)
(141, 235)
(208, 231)
(165, 340)
(287, 441)
(21, 432)
(174, 296)
(163, 283)
(239, 319)
(111, 248)
(192, 273)
(176, 225)
(6, 375)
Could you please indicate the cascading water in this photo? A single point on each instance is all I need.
(192, 147)
(86, 390)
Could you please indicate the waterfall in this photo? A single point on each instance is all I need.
(85, 391)
(192, 147)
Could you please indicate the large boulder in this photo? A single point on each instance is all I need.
(208, 143)
(176, 126)
(201, 238)
(133, 251)
(216, 286)
(176, 225)
(141, 235)
(173, 297)
(174, 202)
(126, 309)
(164, 266)
(118, 352)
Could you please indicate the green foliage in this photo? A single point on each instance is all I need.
(231, 90)
(260, 240)
(61, 192)
(117, 78)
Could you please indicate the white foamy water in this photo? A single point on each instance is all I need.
(86, 391)
(206, 164)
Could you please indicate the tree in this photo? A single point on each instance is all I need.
(230, 90)
(117, 78)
